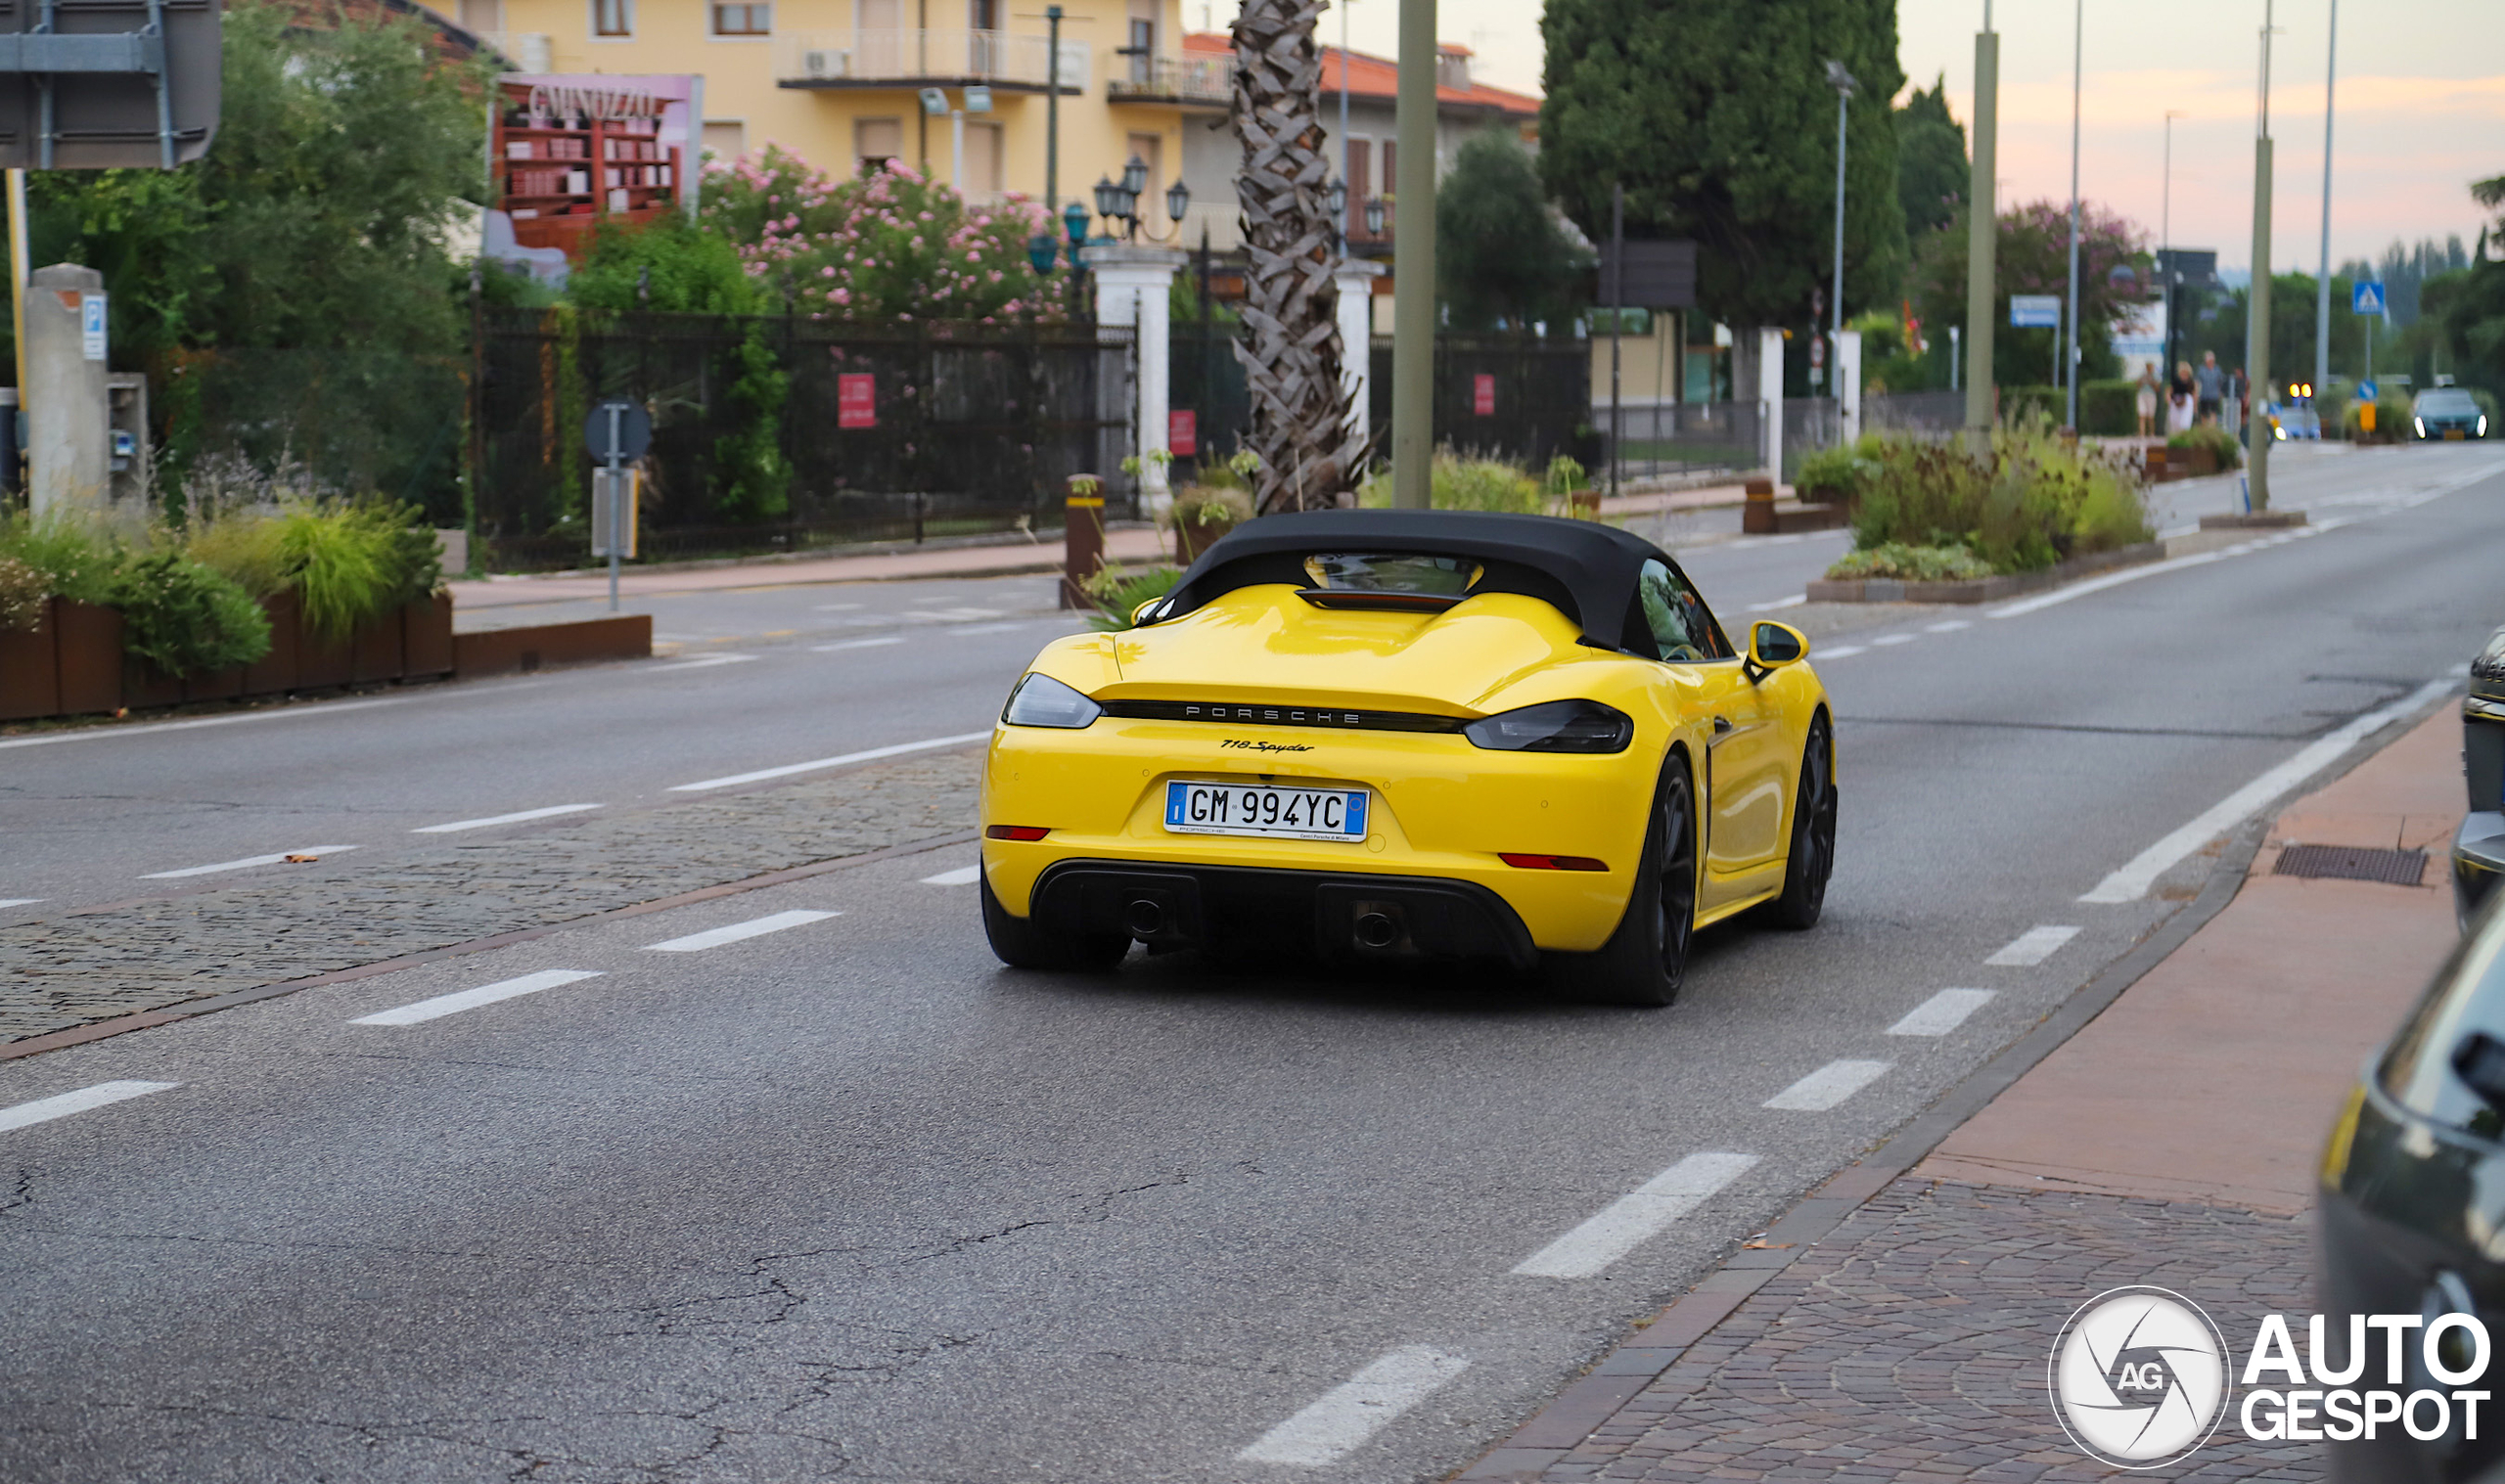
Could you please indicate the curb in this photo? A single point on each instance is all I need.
(1982, 589)
(1590, 1401)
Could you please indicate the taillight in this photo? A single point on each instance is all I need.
(1551, 862)
(1017, 831)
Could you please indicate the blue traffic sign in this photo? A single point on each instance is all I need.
(2365, 391)
(2035, 311)
(2366, 299)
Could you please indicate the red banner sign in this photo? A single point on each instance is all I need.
(856, 399)
(1483, 395)
(1183, 432)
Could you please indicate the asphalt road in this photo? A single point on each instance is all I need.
(845, 1199)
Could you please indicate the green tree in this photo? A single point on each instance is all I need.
(1933, 171)
(2032, 255)
(1718, 119)
(668, 266)
(1500, 256)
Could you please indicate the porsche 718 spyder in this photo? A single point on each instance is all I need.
(1405, 735)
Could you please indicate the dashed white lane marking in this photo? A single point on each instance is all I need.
(1357, 1408)
(963, 876)
(754, 928)
(247, 863)
(61, 1105)
(1942, 1013)
(19, 901)
(708, 662)
(470, 999)
(949, 615)
(1837, 652)
(1895, 639)
(788, 769)
(837, 608)
(986, 628)
(2133, 881)
(457, 825)
(1948, 626)
(1636, 1216)
(1793, 601)
(856, 643)
(1828, 1086)
(2031, 947)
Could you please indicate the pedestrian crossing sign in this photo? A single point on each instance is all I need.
(2366, 299)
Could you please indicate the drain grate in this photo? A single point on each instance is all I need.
(2354, 862)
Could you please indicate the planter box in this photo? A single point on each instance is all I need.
(374, 651)
(2253, 520)
(145, 685)
(426, 635)
(31, 670)
(510, 651)
(1981, 589)
(88, 643)
(275, 671)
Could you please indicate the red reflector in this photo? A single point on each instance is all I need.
(1016, 833)
(1551, 862)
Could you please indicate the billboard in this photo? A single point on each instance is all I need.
(570, 149)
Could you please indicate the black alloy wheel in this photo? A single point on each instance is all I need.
(1813, 858)
(1645, 960)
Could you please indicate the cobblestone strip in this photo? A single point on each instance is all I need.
(79, 967)
(1912, 1342)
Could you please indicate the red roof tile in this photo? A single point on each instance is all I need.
(1379, 77)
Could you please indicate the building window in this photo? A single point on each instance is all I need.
(612, 18)
(482, 17)
(983, 14)
(725, 139)
(877, 142)
(743, 20)
(982, 179)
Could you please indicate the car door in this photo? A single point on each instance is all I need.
(1741, 780)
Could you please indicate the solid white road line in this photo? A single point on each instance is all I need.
(1364, 1405)
(1948, 626)
(1942, 1013)
(1895, 639)
(470, 999)
(708, 662)
(61, 1105)
(457, 825)
(2031, 947)
(245, 863)
(856, 644)
(1837, 651)
(754, 928)
(1827, 1087)
(1636, 1216)
(788, 769)
(2133, 881)
(963, 876)
(19, 901)
(1793, 601)
(323, 708)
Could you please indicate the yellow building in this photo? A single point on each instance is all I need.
(841, 82)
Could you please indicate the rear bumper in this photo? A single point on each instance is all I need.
(2479, 860)
(1343, 915)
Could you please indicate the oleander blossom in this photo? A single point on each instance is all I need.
(890, 245)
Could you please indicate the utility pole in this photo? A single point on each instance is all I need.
(1617, 321)
(1052, 115)
(2069, 366)
(2322, 286)
(1342, 226)
(1982, 227)
(1842, 82)
(2256, 313)
(1413, 287)
(2168, 273)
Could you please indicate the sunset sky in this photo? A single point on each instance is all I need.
(2421, 104)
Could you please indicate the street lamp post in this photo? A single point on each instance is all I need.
(2168, 274)
(1842, 81)
(2069, 369)
(1413, 285)
(1982, 224)
(2257, 329)
(1052, 112)
(2322, 286)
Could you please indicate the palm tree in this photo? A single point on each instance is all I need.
(1310, 455)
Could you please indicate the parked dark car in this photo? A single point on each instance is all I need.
(2447, 412)
(2478, 848)
(2411, 1209)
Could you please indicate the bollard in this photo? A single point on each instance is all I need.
(1756, 516)
(1082, 540)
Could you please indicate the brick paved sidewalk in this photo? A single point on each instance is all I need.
(1897, 1324)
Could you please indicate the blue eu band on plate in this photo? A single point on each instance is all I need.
(1302, 814)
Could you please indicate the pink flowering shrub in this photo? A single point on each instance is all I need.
(890, 245)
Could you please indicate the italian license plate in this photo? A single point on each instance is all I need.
(2451, 434)
(1297, 814)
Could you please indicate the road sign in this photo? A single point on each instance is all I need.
(2366, 298)
(856, 399)
(2365, 391)
(2035, 311)
(632, 430)
(1483, 395)
(91, 326)
(614, 494)
(1183, 432)
(95, 87)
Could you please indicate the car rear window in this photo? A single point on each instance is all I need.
(1391, 573)
(2467, 999)
(2448, 400)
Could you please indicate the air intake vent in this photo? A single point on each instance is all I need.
(2352, 862)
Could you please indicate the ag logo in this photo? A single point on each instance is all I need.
(2139, 1377)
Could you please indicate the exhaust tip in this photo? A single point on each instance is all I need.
(1376, 930)
(1146, 918)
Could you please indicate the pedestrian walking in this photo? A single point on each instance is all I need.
(2145, 398)
(2212, 385)
(2239, 402)
(2179, 400)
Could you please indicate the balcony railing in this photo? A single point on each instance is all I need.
(909, 58)
(1195, 81)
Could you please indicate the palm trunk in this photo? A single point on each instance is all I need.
(1311, 457)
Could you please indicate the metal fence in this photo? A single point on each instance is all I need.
(1916, 411)
(1205, 379)
(343, 422)
(898, 433)
(1524, 399)
(1685, 437)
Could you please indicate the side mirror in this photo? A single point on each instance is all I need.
(1774, 645)
(1146, 613)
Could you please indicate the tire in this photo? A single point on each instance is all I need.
(1030, 943)
(1645, 960)
(1813, 858)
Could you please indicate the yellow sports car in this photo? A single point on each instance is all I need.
(1404, 735)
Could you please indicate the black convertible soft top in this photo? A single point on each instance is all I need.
(1583, 569)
